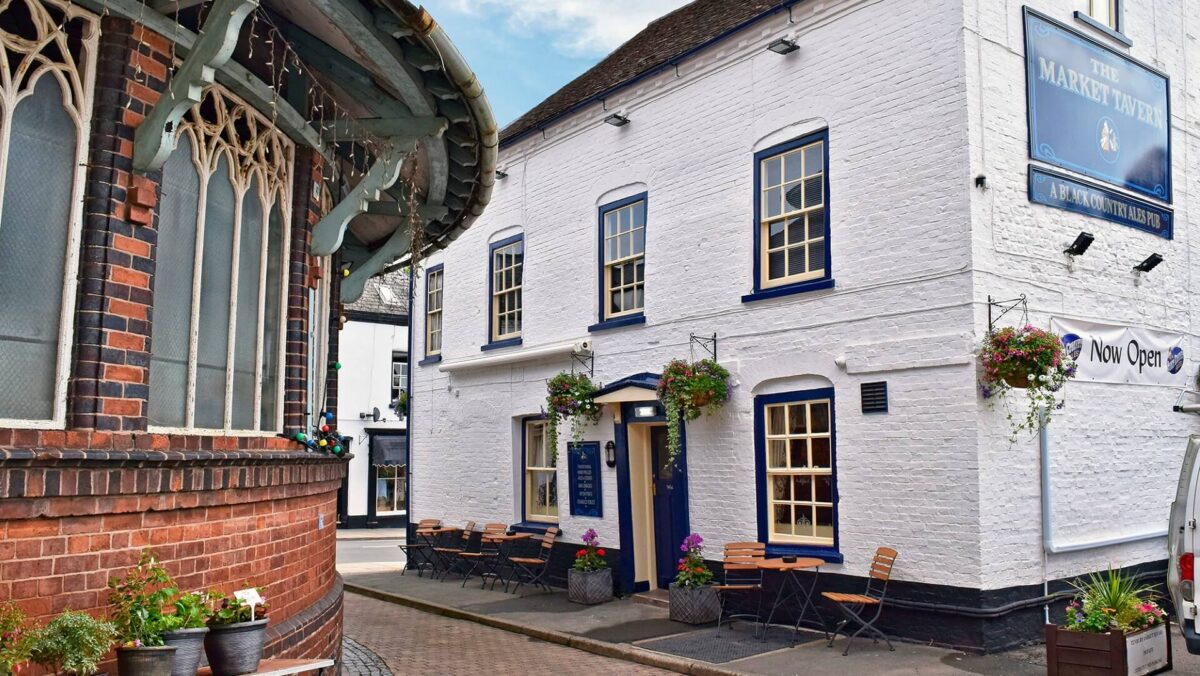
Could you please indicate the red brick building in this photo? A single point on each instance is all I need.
(174, 271)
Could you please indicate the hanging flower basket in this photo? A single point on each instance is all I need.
(569, 395)
(1030, 359)
(687, 390)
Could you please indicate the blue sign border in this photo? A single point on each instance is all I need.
(585, 452)
(1037, 175)
(1030, 107)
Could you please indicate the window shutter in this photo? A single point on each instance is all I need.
(874, 397)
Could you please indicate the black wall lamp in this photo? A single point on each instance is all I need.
(610, 454)
(616, 120)
(1080, 245)
(500, 173)
(1149, 264)
(783, 46)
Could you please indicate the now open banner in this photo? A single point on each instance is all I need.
(1106, 353)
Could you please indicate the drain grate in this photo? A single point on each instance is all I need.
(732, 644)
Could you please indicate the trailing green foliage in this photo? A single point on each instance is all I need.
(569, 395)
(74, 642)
(15, 639)
(687, 390)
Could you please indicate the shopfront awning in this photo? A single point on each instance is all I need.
(640, 387)
(391, 450)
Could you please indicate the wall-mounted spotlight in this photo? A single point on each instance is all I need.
(1149, 264)
(616, 120)
(783, 46)
(500, 173)
(610, 454)
(1080, 246)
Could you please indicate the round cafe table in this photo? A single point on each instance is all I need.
(791, 588)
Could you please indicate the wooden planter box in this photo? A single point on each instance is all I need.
(1073, 653)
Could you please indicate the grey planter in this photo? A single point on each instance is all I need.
(694, 605)
(235, 649)
(189, 648)
(589, 588)
(148, 661)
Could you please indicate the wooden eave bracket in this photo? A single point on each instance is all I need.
(396, 246)
(328, 232)
(155, 137)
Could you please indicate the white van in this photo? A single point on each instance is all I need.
(1182, 544)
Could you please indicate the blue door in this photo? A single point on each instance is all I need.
(670, 506)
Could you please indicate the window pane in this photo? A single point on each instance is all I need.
(802, 488)
(820, 452)
(804, 520)
(783, 519)
(777, 454)
(385, 495)
(639, 215)
(824, 488)
(795, 230)
(775, 420)
(552, 486)
(820, 417)
(771, 201)
(176, 252)
(794, 197)
(245, 346)
(796, 262)
(215, 271)
(776, 264)
(640, 271)
(626, 218)
(791, 166)
(812, 193)
(775, 235)
(814, 159)
(816, 256)
(797, 423)
(824, 521)
(610, 223)
(33, 246)
(799, 452)
(614, 303)
(781, 489)
(816, 224)
(771, 172)
(639, 298)
(639, 241)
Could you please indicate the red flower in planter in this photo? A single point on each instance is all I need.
(600, 552)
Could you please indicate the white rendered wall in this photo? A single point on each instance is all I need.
(1116, 449)
(887, 79)
(364, 383)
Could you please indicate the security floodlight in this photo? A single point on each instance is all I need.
(617, 120)
(1149, 264)
(500, 173)
(783, 46)
(1080, 245)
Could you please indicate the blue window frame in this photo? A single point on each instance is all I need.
(434, 295)
(791, 218)
(506, 269)
(795, 458)
(621, 227)
(539, 475)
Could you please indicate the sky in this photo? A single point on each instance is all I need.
(524, 50)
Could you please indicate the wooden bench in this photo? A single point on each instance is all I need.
(282, 667)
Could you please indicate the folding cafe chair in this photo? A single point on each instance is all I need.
(743, 577)
(447, 553)
(487, 557)
(419, 554)
(855, 607)
(532, 569)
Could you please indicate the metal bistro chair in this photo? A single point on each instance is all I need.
(742, 577)
(532, 569)
(447, 554)
(854, 606)
(418, 554)
(487, 557)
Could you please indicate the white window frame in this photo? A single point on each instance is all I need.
(611, 215)
(530, 472)
(500, 289)
(210, 142)
(1107, 12)
(806, 211)
(434, 299)
(787, 437)
(79, 82)
(399, 380)
(399, 495)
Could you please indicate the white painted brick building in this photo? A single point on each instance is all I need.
(917, 100)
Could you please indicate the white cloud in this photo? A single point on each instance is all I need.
(575, 27)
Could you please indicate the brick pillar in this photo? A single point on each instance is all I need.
(111, 369)
(306, 211)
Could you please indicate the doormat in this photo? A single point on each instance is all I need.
(732, 644)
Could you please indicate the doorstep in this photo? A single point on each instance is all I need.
(655, 597)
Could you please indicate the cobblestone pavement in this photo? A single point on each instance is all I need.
(358, 660)
(414, 643)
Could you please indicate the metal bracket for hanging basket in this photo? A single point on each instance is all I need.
(585, 362)
(705, 343)
(1005, 307)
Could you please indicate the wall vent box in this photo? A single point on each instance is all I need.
(874, 397)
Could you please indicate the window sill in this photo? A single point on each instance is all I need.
(434, 359)
(536, 527)
(828, 554)
(631, 320)
(1108, 32)
(789, 289)
(511, 342)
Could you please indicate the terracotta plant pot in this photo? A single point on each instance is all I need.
(189, 644)
(591, 587)
(235, 649)
(1071, 653)
(694, 605)
(148, 661)
(701, 399)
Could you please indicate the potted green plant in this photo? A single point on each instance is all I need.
(589, 580)
(74, 642)
(1112, 625)
(138, 602)
(687, 390)
(692, 597)
(15, 639)
(237, 631)
(1025, 358)
(188, 627)
(569, 395)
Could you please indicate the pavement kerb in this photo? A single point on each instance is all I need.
(621, 651)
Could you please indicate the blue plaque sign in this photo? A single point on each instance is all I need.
(1096, 111)
(1058, 190)
(583, 466)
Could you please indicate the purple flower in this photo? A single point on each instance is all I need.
(590, 538)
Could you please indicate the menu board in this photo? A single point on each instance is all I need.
(583, 465)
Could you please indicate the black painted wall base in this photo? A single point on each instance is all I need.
(361, 521)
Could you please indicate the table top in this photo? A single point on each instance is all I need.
(504, 537)
(439, 529)
(800, 563)
(281, 667)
